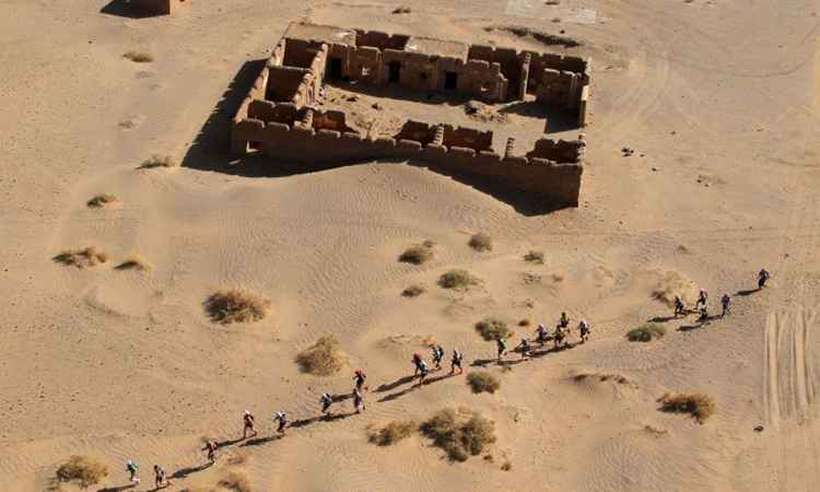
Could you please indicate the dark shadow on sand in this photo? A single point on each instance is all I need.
(229, 442)
(321, 418)
(395, 384)
(747, 292)
(258, 441)
(124, 8)
(118, 489)
(184, 472)
(558, 120)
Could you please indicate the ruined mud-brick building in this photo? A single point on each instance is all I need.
(157, 7)
(280, 115)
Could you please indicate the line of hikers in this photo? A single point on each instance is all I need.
(701, 305)
(421, 370)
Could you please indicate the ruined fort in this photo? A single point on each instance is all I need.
(284, 113)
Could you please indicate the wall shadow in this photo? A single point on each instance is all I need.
(557, 119)
(124, 8)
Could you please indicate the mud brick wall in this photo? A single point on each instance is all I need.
(381, 40)
(561, 151)
(467, 137)
(510, 62)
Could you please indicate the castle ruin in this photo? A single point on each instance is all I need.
(282, 114)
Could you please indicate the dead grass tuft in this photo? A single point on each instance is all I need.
(460, 433)
(506, 466)
(82, 258)
(156, 161)
(402, 10)
(236, 306)
(481, 242)
(413, 291)
(235, 482)
(483, 382)
(492, 329)
(457, 279)
(534, 257)
(102, 200)
(392, 433)
(139, 56)
(135, 262)
(646, 333)
(673, 284)
(417, 254)
(698, 405)
(82, 471)
(323, 358)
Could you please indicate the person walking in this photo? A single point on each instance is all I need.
(762, 278)
(455, 362)
(726, 304)
(160, 481)
(326, 400)
(248, 425)
(132, 468)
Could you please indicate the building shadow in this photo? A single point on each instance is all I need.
(557, 119)
(210, 150)
(125, 8)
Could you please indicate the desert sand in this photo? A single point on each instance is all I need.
(720, 101)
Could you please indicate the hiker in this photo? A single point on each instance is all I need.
(326, 400)
(702, 298)
(564, 321)
(358, 401)
(762, 278)
(248, 425)
(704, 314)
(456, 362)
(282, 418)
(210, 447)
(541, 334)
(132, 469)
(559, 336)
(438, 356)
(583, 329)
(159, 478)
(359, 376)
(726, 303)
(680, 308)
(417, 360)
(423, 371)
(524, 347)
(501, 345)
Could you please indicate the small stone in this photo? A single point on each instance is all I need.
(759, 428)
(377, 106)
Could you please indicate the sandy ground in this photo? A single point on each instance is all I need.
(719, 99)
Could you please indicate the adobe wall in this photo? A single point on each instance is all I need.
(556, 183)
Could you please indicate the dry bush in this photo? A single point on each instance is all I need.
(524, 322)
(323, 358)
(102, 200)
(460, 433)
(492, 329)
(82, 470)
(534, 257)
(236, 306)
(483, 382)
(417, 254)
(413, 291)
(402, 10)
(646, 333)
(457, 279)
(139, 56)
(673, 284)
(481, 242)
(506, 466)
(134, 262)
(235, 482)
(156, 161)
(392, 433)
(698, 405)
(82, 258)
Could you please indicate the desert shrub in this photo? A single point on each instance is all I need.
(506, 466)
(460, 433)
(672, 284)
(82, 471)
(698, 405)
(139, 56)
(481, 242)
(646, 333)
(413, 291)
(102, 200)
(236, 306)
(483, 382)
(156, 161)
(417, 254)
(392, 433)
(457, 279)
(534, 257)
(323, 358)
(134, 262)
(402, 10)
(492, 329)
(524, 322)
(82, 258)
(235, 482)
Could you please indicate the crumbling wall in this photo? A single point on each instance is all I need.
(299, 53)
(381, 40)
(511, 64)
(468, 138)
(561, 151)
(331, 120)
